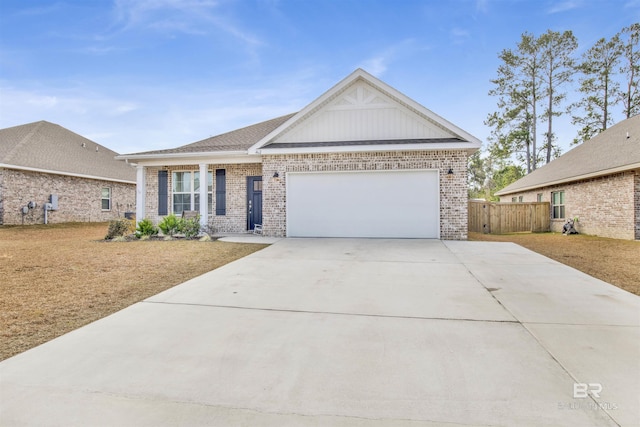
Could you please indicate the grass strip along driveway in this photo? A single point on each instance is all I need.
(614, 261)
(56, 278)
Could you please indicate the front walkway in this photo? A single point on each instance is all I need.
(349, 332)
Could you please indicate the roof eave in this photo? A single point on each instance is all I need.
(470, 147)
(77, 175)
(181, 159)
(568, 180)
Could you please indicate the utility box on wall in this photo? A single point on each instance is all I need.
(53, 200)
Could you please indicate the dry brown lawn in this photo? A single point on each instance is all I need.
(56, 278)
(612, 260)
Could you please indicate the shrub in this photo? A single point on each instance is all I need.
(170, 225)
(146, 228)
(190, 227)
(118, 228)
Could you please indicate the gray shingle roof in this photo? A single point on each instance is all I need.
(50, 147)
(608, 152)
(237, 140)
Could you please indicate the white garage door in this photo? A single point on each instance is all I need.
(363, 204)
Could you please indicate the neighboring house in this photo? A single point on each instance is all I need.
(597, 182)
(362, 160)
(44, 163)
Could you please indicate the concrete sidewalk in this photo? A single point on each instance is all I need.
(349, 332)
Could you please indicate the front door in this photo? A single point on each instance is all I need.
(254, 201)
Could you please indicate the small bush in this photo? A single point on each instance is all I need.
(170, 225)
(190, 227)
(118, 228)
(146, 228)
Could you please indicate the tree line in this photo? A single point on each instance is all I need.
(531, 90)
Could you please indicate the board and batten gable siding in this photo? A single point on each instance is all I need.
(453, 187)
(359, 113)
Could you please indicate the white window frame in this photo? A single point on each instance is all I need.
(102, 199)
(561, 205)
(194, 190)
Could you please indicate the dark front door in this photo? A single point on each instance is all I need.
(254, 201)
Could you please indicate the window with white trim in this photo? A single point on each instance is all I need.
(557, 205)
(186, 191)
(106, 199)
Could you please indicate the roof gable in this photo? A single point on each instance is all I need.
(47, 147)
(363, 108)
(615, 150)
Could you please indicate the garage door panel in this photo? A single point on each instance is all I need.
(363, 204)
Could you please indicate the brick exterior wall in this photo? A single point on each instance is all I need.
(637, 203)
(453, 188)
(235, 219)
(606, 206)
(79, 199)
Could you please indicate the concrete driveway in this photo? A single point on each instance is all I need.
(349, 332)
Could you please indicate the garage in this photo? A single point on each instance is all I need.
(384, 204)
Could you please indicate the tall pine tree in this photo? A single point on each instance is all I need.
(600, 91)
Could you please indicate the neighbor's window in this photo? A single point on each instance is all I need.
(106, 199)
(514, 199)
(539, 197)
(520, 198)
(186, 191)
(557, 205)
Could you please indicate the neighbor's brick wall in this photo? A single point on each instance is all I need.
(79, 199)
(1, 197)
(605, 206)
(235, 219)
(637, 203)
(453, 188)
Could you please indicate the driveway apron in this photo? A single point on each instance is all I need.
(349, 332)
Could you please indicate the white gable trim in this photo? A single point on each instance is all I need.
(378, 84)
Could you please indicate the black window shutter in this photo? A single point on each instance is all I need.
(221, 191)
(163, 192)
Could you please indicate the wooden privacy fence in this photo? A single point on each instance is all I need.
(500, 218)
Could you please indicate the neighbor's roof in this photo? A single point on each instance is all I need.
(237, 140)
(50, 148)
(617, 149)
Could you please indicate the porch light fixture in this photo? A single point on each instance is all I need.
(450, 171)
(275, 174)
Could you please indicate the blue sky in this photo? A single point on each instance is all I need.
(137, 75)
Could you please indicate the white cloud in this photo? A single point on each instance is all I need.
(195, 17)
(564, 6)
(376, 65)
(459, 35)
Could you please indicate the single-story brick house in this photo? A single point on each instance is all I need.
(597, 182)
(362, 160)
(43, 163)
